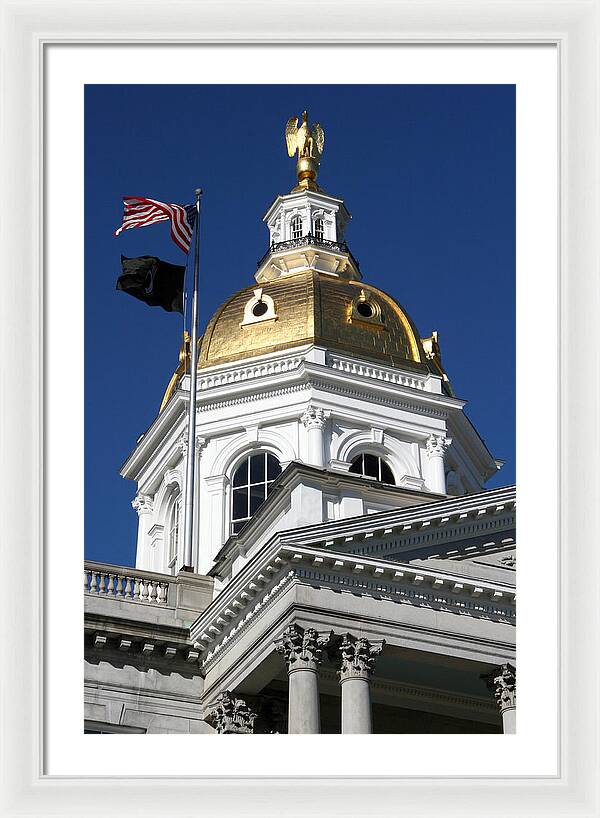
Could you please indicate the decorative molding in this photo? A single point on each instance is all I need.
(313, 417)
(401, 582)
(173, 477)
(377, 436)
(303, 649)
(249, 372)
(414, 586)
(358, 657)
(143, 503)
(239, 603)
(318, 383)
(379, 373)
(421, 695)
(398, 453)
(437, 445)
(408, 481)
(100, 640)
(241, 399)
(503, 683)
(182, 444)
(230, 715)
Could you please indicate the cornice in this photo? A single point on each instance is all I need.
(308, 374)
(449, 518)
(275, 567)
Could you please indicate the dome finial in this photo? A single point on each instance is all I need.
(309, 143)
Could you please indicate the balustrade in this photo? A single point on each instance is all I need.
(134, 586)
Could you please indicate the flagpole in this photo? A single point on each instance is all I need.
(191, 448)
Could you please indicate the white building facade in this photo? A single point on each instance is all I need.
(336, 473)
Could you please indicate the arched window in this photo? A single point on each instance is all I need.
(319, 230)
(297, 227)
(251, 485)
(371, 465)
(173, 533)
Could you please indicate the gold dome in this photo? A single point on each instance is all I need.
(311, 308)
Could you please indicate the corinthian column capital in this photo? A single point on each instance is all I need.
(142, 503)
(230, 715)
(502, 681)
(302, 649)
(437, 445)
(358, 657)
(314, 417)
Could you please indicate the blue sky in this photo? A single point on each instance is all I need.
(428, 173)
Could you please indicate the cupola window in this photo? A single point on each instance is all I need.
(259, 308)
(252, 482)
(297, 227)
(366, 310)
(371, 465)
(319, 230)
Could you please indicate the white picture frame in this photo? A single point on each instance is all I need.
(27, 28)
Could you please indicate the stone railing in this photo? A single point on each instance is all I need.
(303, 241)
(127, 583)
(373, 371)
(184, 595)
(250, 371)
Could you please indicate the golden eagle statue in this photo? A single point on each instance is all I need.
(309, 143)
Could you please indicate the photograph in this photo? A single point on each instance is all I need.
(299, 415)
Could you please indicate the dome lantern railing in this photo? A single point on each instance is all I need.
(303, 241)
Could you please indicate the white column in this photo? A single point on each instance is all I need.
(314, 419)
(358, 662)
(303, 652)
(503, 683)
(144, 506)
(436, 449)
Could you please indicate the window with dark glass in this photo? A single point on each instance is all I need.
(251, 485)
(319, 230)
(296, 227)
(371, 465)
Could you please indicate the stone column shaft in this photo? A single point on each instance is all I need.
(358, 662)
(304, 714)
(303, 652)
(356, 705)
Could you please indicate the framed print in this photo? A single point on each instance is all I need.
(321, 553)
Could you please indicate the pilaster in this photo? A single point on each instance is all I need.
(144, 505)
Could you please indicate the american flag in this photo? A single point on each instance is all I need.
(140, 212)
